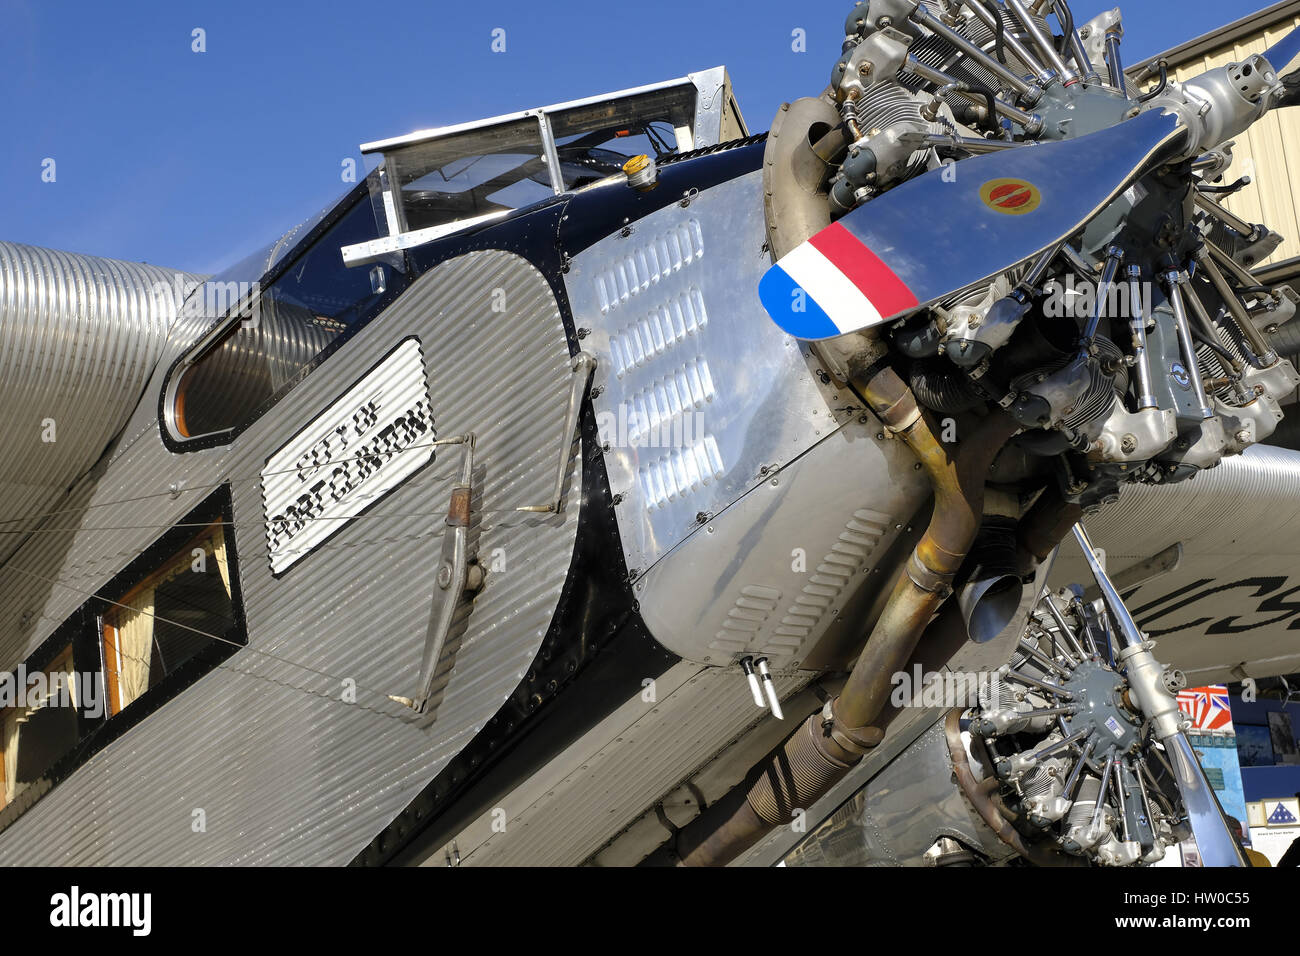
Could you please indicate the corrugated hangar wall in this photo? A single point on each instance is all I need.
(1269, 153)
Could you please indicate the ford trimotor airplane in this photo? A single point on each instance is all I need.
(580, 486)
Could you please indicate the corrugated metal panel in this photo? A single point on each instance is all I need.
(619, 770)
(285, 771)
(1269, 152)
(1233, 599)
(1245, 506)
(79, 338)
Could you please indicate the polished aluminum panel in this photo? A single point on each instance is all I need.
(699, 397)
(285, 770)
(769, 574)
(79, 338)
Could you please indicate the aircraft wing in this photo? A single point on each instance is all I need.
(1234, 598)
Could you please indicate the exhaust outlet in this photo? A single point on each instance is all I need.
(993, 590)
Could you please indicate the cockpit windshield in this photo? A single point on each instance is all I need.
(442, 180)
(480, 172)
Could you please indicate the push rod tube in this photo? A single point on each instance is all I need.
(1115, 62)
(1208, 329)
(1021, 52)
(1174, 282)
(1090, 75)
(1114, 256)
(1138, 325)
(1241, 227)
(1265, 356)
(1043, 43)
(1026, 90)
(1030, 122)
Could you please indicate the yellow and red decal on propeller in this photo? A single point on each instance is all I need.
(1014, 197)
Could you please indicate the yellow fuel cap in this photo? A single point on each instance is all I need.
(641, 172)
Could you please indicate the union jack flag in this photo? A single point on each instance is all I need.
(1208, 707)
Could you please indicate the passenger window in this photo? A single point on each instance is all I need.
(469, 175)
(163, 621)
(34, 736)
(146, 635)
(280, 333)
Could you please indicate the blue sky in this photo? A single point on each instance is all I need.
(189, 160)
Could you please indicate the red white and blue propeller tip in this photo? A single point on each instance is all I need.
(830, 285)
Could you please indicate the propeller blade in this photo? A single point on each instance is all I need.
(1281, 53)
(1214, 840)
(936, 234)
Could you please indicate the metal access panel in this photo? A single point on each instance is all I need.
(699, 397)
(718, 430)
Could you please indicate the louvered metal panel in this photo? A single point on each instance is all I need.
(698, 395)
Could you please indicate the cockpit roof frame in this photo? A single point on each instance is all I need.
(713, 99)
(716, 119)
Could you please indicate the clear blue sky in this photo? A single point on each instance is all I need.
(190, 160)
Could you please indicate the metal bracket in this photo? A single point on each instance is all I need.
(457, 576)
(584, 367)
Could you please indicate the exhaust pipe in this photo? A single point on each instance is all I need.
(989, 605)
(1045, 525)
(804, 148)
(828, 745)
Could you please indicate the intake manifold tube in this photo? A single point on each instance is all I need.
(829, 744)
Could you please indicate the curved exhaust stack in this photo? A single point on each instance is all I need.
(989, 604)
(829, 744)
(991, 595)
(803, 149)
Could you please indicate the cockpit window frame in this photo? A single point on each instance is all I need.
(171, 436)
(702, 104)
